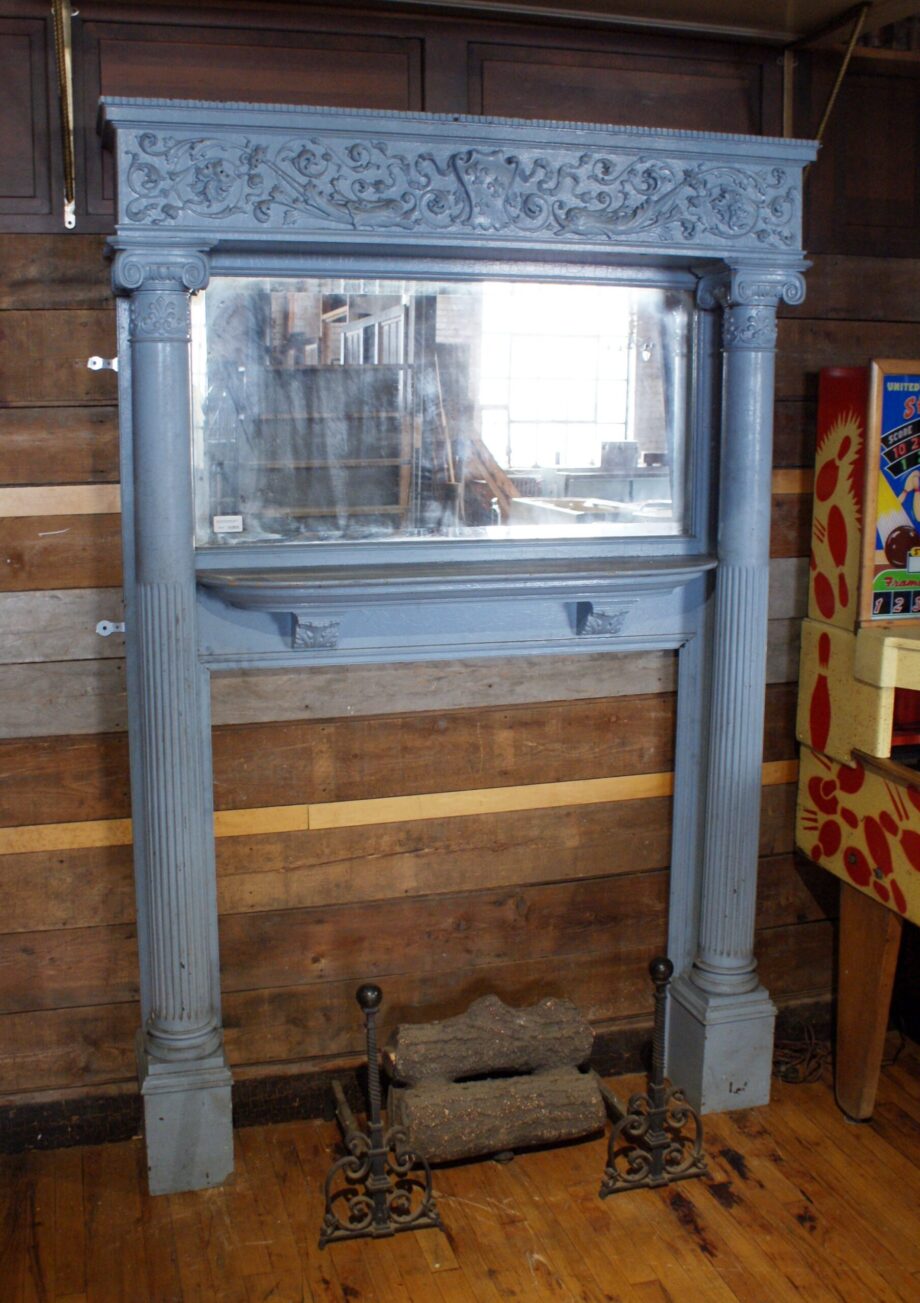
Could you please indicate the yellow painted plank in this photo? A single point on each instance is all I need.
(61, 500)
(394, 809)
(793, 481)
(65, 836)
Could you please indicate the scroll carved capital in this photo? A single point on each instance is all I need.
(752, 287)
(173, 270)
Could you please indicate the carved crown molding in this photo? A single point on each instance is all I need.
(637, 192)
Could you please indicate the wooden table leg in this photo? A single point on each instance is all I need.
(870, 936)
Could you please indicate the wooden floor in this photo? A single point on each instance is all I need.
(799, 1203)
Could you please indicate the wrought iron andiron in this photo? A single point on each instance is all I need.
(655, 1150)
(371, 1191)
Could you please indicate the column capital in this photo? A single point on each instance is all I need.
(751, 285)
(176, 269)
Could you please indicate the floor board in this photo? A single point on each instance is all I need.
(798, 1202)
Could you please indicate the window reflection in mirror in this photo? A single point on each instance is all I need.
(375, 409)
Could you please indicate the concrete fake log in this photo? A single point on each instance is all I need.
(447, 1120)
(490, 1037)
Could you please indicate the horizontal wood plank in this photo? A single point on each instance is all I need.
(86, 887)
(54, 552)
(60, 1049)
(92, 885)
(58, 445)
(59, 626)
(86, 833)
(313, 1025)
(351, 759)
(54, 271)
(259, 696)
(82, 966)
(80, 778)
(71, 697)
(68, 967)
(63, 697)
(44, 354)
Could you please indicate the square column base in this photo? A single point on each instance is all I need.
(188, 1124)
(720, 1048)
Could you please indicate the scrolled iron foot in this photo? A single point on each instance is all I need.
(648, 1147)
(360, 1205)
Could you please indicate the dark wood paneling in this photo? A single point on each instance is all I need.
(792, 890)
(796, 960)
(851, 288)
(50, 271)
(633, 89)
(779, 722)
(49, 552)
(317, 1021)
(272, 65)
(25, 141)
(863, 194)
(794, 426)
(58, 445)
(43, 357)
(805, 346)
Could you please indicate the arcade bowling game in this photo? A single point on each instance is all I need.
(858, 811)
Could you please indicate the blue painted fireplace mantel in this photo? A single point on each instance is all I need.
(207, 190)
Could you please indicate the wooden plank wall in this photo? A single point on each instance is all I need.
(490, 826)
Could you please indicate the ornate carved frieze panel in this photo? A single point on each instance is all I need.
(393, 175)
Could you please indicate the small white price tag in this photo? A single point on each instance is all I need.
(228, 524)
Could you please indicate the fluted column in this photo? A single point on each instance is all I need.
(182, 1062)
(731, 1067)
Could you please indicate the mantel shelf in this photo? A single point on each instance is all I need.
(302, 588)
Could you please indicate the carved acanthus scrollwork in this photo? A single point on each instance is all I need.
(311, 635)
(160, 317)
(324, 183)
(749, 327)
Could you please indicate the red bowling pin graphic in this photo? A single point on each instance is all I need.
(819, 712)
